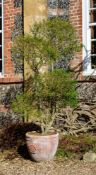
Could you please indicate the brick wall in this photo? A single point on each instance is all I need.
(10, 13)
(75, 16)
(11, 83)
(86, 85)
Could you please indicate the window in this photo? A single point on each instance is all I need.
(1, 36)
(89, 36)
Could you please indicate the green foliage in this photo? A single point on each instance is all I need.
(58, 89)
(48, 41)
(75, 146)
(22, 105)
(63, 153)
(45, 93)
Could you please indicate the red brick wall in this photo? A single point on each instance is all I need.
(9, 72)
(75, 15)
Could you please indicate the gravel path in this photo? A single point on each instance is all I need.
(21, 166)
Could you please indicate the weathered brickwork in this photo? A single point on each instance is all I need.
(11, 83)
(10, 13)
(75, 16)
(12, 27)
(86, 89)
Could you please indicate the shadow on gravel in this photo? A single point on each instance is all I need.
(23, 152)
(14, 135)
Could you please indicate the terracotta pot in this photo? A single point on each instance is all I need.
(42, 147)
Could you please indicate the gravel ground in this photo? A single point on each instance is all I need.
(58, 166)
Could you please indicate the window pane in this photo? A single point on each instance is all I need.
(93, 16)
(93, 32)
(0, 10)
(93, 47)
(0, 23)
(93, 3)
(0, 39)
(93, 62)
(0, 65)
(0, 52)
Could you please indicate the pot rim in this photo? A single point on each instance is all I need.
(40, 135)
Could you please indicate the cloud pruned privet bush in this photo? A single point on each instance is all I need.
(46, 92)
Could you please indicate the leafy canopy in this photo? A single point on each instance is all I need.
(45, 93)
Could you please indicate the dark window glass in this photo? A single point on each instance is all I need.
(93, 16)
(93, 32)
(0, 65)
(0, 9)
(0, 23)
(0, 38)
(93, 3)
(0, 52)
(93, 47)
(93, 62)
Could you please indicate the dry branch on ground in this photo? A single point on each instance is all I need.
(80, 119)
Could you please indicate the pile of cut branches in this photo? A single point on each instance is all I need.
(82, 119)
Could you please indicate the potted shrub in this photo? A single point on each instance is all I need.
(47, 89)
